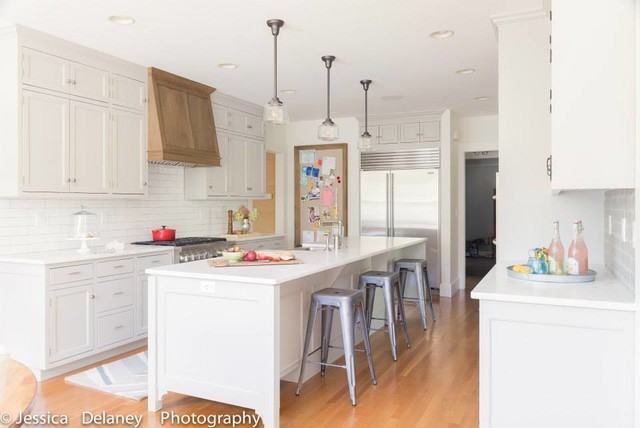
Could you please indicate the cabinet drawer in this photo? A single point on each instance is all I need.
(115, 267)
(143, 263)
(115, 328)
(70, 274)
(114, 294)
(274, 244)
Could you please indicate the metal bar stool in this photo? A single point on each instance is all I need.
(390, 283)
(405, 266)
(350, 303)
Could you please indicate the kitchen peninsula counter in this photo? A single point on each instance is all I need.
(231, 334)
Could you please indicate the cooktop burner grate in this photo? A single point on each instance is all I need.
(181, 242)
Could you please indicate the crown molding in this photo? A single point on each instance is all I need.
(236, 103)
(8, 31)
(524, 16)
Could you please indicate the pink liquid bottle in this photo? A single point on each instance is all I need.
(556, 251)
(578, 255)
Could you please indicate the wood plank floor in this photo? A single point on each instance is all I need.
(433, 384)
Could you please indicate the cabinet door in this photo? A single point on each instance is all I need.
(255, 163)
(141, 309)
(388, 134)
(45, 71)
(71, 318)
(127, 92)
(129, 153)
(254, 125)
(409, 132)
(217, 176)
(89, 82)
(430, 131)
(89, 148)
(237, 165)
(45, 142)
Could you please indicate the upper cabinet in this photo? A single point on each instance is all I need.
(592, 95)
(409, 131)
(238, 121)
(82, 125)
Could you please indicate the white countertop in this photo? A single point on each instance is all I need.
(252, 237)
(70, 256)
(603, 293)
(356, 248)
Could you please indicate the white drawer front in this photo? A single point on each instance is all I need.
(115, 328)
(272, 244)
(114, 294)
(115, 267)
(70, 274)
(143, 263)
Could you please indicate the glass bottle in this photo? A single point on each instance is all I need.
(578, 254)
(556, 251)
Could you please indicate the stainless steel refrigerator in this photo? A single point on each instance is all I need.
(399, 196)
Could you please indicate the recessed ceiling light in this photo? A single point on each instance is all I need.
(482, 98)
(442, 34)
(288, 91)
(121, 20)
(391, 97)
(466, 71)
(228, 65)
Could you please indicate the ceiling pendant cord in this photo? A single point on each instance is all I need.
(275, 30)
(328, 65)
(365, 139)
(274, 111)
(328, 130)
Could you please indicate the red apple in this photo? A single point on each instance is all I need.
(250, 256)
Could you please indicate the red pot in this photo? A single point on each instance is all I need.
(163, 234)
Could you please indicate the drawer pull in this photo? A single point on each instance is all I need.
(93, 296)
(117, 293)
(118, 267)
(118, 327)
(155, 261)
(77, 272)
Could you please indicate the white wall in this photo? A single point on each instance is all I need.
(525, 206)
(28, 225)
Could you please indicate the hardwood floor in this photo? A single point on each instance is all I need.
(433, 384)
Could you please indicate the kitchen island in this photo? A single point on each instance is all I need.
(231, 334)
(555, 354)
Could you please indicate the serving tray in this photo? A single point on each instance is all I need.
(589, 277)
(219, 262)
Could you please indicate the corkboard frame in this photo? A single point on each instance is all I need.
(344, 148)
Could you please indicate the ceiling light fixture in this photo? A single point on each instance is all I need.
(482, 98)
(122, 20)
(466, 71)
(328, 131)
(228, 65)
(442, 34)
(274, 111)
(365, 139)
(288, 91)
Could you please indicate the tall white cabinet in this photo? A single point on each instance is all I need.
(82, 125)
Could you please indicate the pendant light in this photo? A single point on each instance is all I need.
(274, 111)
(328, 131)
(365, 138)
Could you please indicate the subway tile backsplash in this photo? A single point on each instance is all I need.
(30, 225)
(619, 256)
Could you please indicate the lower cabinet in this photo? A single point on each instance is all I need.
(71, 317)
(140, 324)
(263, 244)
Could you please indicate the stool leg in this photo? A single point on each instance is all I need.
(389, 313)
(327, 321)
(420, 285)
(347, 319)
(367, 342)
(370, 294)
(403, 317)
(402, 273)
(426, 276)
(307, 340)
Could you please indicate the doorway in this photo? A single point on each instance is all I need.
(481, 170)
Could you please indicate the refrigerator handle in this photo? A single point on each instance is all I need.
(388, 232)
(392, 220)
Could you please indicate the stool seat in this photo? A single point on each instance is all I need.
(419, 268)
(350, 304)
(409, 263)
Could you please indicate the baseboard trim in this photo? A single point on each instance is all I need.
(445, 289)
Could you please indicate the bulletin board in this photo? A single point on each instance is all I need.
(320, 174)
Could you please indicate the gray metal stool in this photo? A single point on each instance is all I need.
(405, 266)
(390, 283)
(350, 303)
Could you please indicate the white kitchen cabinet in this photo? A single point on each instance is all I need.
(383, 134)
(141, 322)
(236, 165)
(45, 143)
(254, 167)
(129, 144)
(127, 92)
(593, 98)
(260, 244)
(71, 320)
(420, 132)
(218, 177)
(254, 125)
(410, 132)
(45, 71)
(89, 82)
(88, 148)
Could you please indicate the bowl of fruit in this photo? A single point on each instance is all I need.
(233, 254)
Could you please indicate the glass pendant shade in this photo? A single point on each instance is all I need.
(366, 141)
(328, 131)
(275, 113)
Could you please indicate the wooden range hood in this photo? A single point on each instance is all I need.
(181, 127)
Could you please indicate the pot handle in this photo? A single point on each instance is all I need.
(163, 227)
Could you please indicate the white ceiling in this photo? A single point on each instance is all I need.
(383, 40)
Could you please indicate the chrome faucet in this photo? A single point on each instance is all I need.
(333, 237)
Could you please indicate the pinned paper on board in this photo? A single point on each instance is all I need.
(307, 156)
(328, 164)
(313, 216)
(308, 236)
(315, 172)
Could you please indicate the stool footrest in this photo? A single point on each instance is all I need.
(327, 364)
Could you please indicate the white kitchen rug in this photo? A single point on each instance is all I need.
(125, 378)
